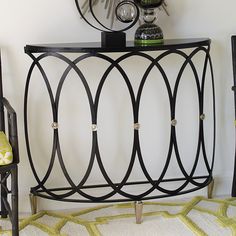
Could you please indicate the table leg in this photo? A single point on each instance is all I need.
(33, 203)
(138, 211)
(210, 188)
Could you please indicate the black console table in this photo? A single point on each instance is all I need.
(76, 192)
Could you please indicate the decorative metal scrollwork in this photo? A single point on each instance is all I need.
(156, 188)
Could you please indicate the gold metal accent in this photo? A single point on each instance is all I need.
(202, 116)
(55, 125)
(235, 122)
(138, 206)
(94, 127)
(33, 203)
(136, 126)
(210, 188)
(174, 122)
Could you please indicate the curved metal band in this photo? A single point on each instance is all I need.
(100, 23)
(117, 188)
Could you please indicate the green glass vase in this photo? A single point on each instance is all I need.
(148, 33)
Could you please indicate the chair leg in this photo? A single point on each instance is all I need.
(4, 212)
(14, 199)
(233, 193)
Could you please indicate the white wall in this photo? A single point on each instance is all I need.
(30, 22)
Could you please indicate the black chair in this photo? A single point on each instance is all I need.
(8, 172)
(233, 42)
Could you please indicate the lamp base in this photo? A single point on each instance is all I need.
(148, 34)
(113, 39)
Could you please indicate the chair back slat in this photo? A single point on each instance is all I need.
(233, 40)
(233, 44)
(13, 136)
(2, 118)
(1, 93)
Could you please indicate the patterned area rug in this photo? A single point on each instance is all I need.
(198, 216)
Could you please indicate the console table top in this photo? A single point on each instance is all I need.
(130, 46)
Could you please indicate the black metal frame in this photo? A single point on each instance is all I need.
(110, 38)
(103, 27)
(233, 43)
(169, 47)
(9, 171)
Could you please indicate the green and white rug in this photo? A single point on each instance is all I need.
(198, 216)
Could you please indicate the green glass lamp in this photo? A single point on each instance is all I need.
(148, 33)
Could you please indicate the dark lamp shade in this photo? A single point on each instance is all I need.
(149, 3)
